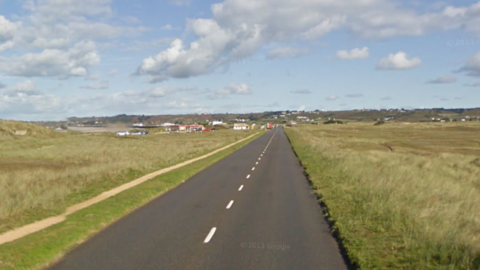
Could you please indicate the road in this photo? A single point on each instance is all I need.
(251, 210)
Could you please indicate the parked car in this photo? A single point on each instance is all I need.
(123, 133)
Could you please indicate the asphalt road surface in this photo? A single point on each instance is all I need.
(251, 210)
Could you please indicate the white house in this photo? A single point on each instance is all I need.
(240, 126)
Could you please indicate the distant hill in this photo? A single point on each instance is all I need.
(365, 115)
(15, 128)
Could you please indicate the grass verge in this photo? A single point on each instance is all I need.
(417, 207)
(43, 248)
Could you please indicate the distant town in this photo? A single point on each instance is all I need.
(208, 122)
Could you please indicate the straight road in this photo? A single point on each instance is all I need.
(251, 210)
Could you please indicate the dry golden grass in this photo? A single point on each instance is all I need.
(403, 196)
(42, 175)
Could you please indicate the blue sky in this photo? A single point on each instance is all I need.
(61, 58)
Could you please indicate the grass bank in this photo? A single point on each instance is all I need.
(400, 196)
(43, 172)
(40, 249)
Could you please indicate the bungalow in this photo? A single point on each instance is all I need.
(185, 128)
(240, 126)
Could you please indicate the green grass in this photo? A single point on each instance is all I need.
(44, 172)
(43, 248)
(416, 207)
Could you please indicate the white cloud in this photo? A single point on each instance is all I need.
(30, 103)
(7, 29)
(324, 27)
(7, 32)
(472, 67)
(284, 52)
(112, 72)
(239, 28)
(234, 89)
(354, 95)
(353, 54)
(167, 27)
(53, 62)
(68, 9)
(398, 61)
(331, 97)
(301, 91)
(386, 98)
(477, 84)
(96, 86)
(25, 86)
(138, 45)
(177, 105)
(6, 45)
(443, 80)
(181, 3)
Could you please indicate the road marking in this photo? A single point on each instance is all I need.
(210, 235)
(256, 163)
(253, 169)
(248, 176)
(261, 155)
(230, 204)
(240, 188)
(259, 158)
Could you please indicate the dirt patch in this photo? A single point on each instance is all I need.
(20, 132)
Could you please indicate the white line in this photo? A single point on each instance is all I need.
(256, 163)
(230, 204)
(261, 155)
(253, 169)
(240, 188)
(259, 158)
(248, 176)
(210, 235)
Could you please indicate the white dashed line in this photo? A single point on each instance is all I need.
(230, 204)
(253, 169)
(248, 176)
(240, 188)
(210, 235)
(256, 163)
(259, 158)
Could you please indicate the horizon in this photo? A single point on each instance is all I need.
(244, 113)
(172, 57)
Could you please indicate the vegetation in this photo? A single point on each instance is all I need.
(332, 122)
(38, 250)
(44, 172)
(400, 196)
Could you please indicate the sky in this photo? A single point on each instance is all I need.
(63, 58)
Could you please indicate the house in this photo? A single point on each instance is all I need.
(216, 122)
(240, 126)
(185, 128)
(194, 128)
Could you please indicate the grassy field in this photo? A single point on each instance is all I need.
(401, 196)
(38, 250)
(43, 172)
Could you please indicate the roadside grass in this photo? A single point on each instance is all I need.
(44, 172)
(41, 249)
(412, 205)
